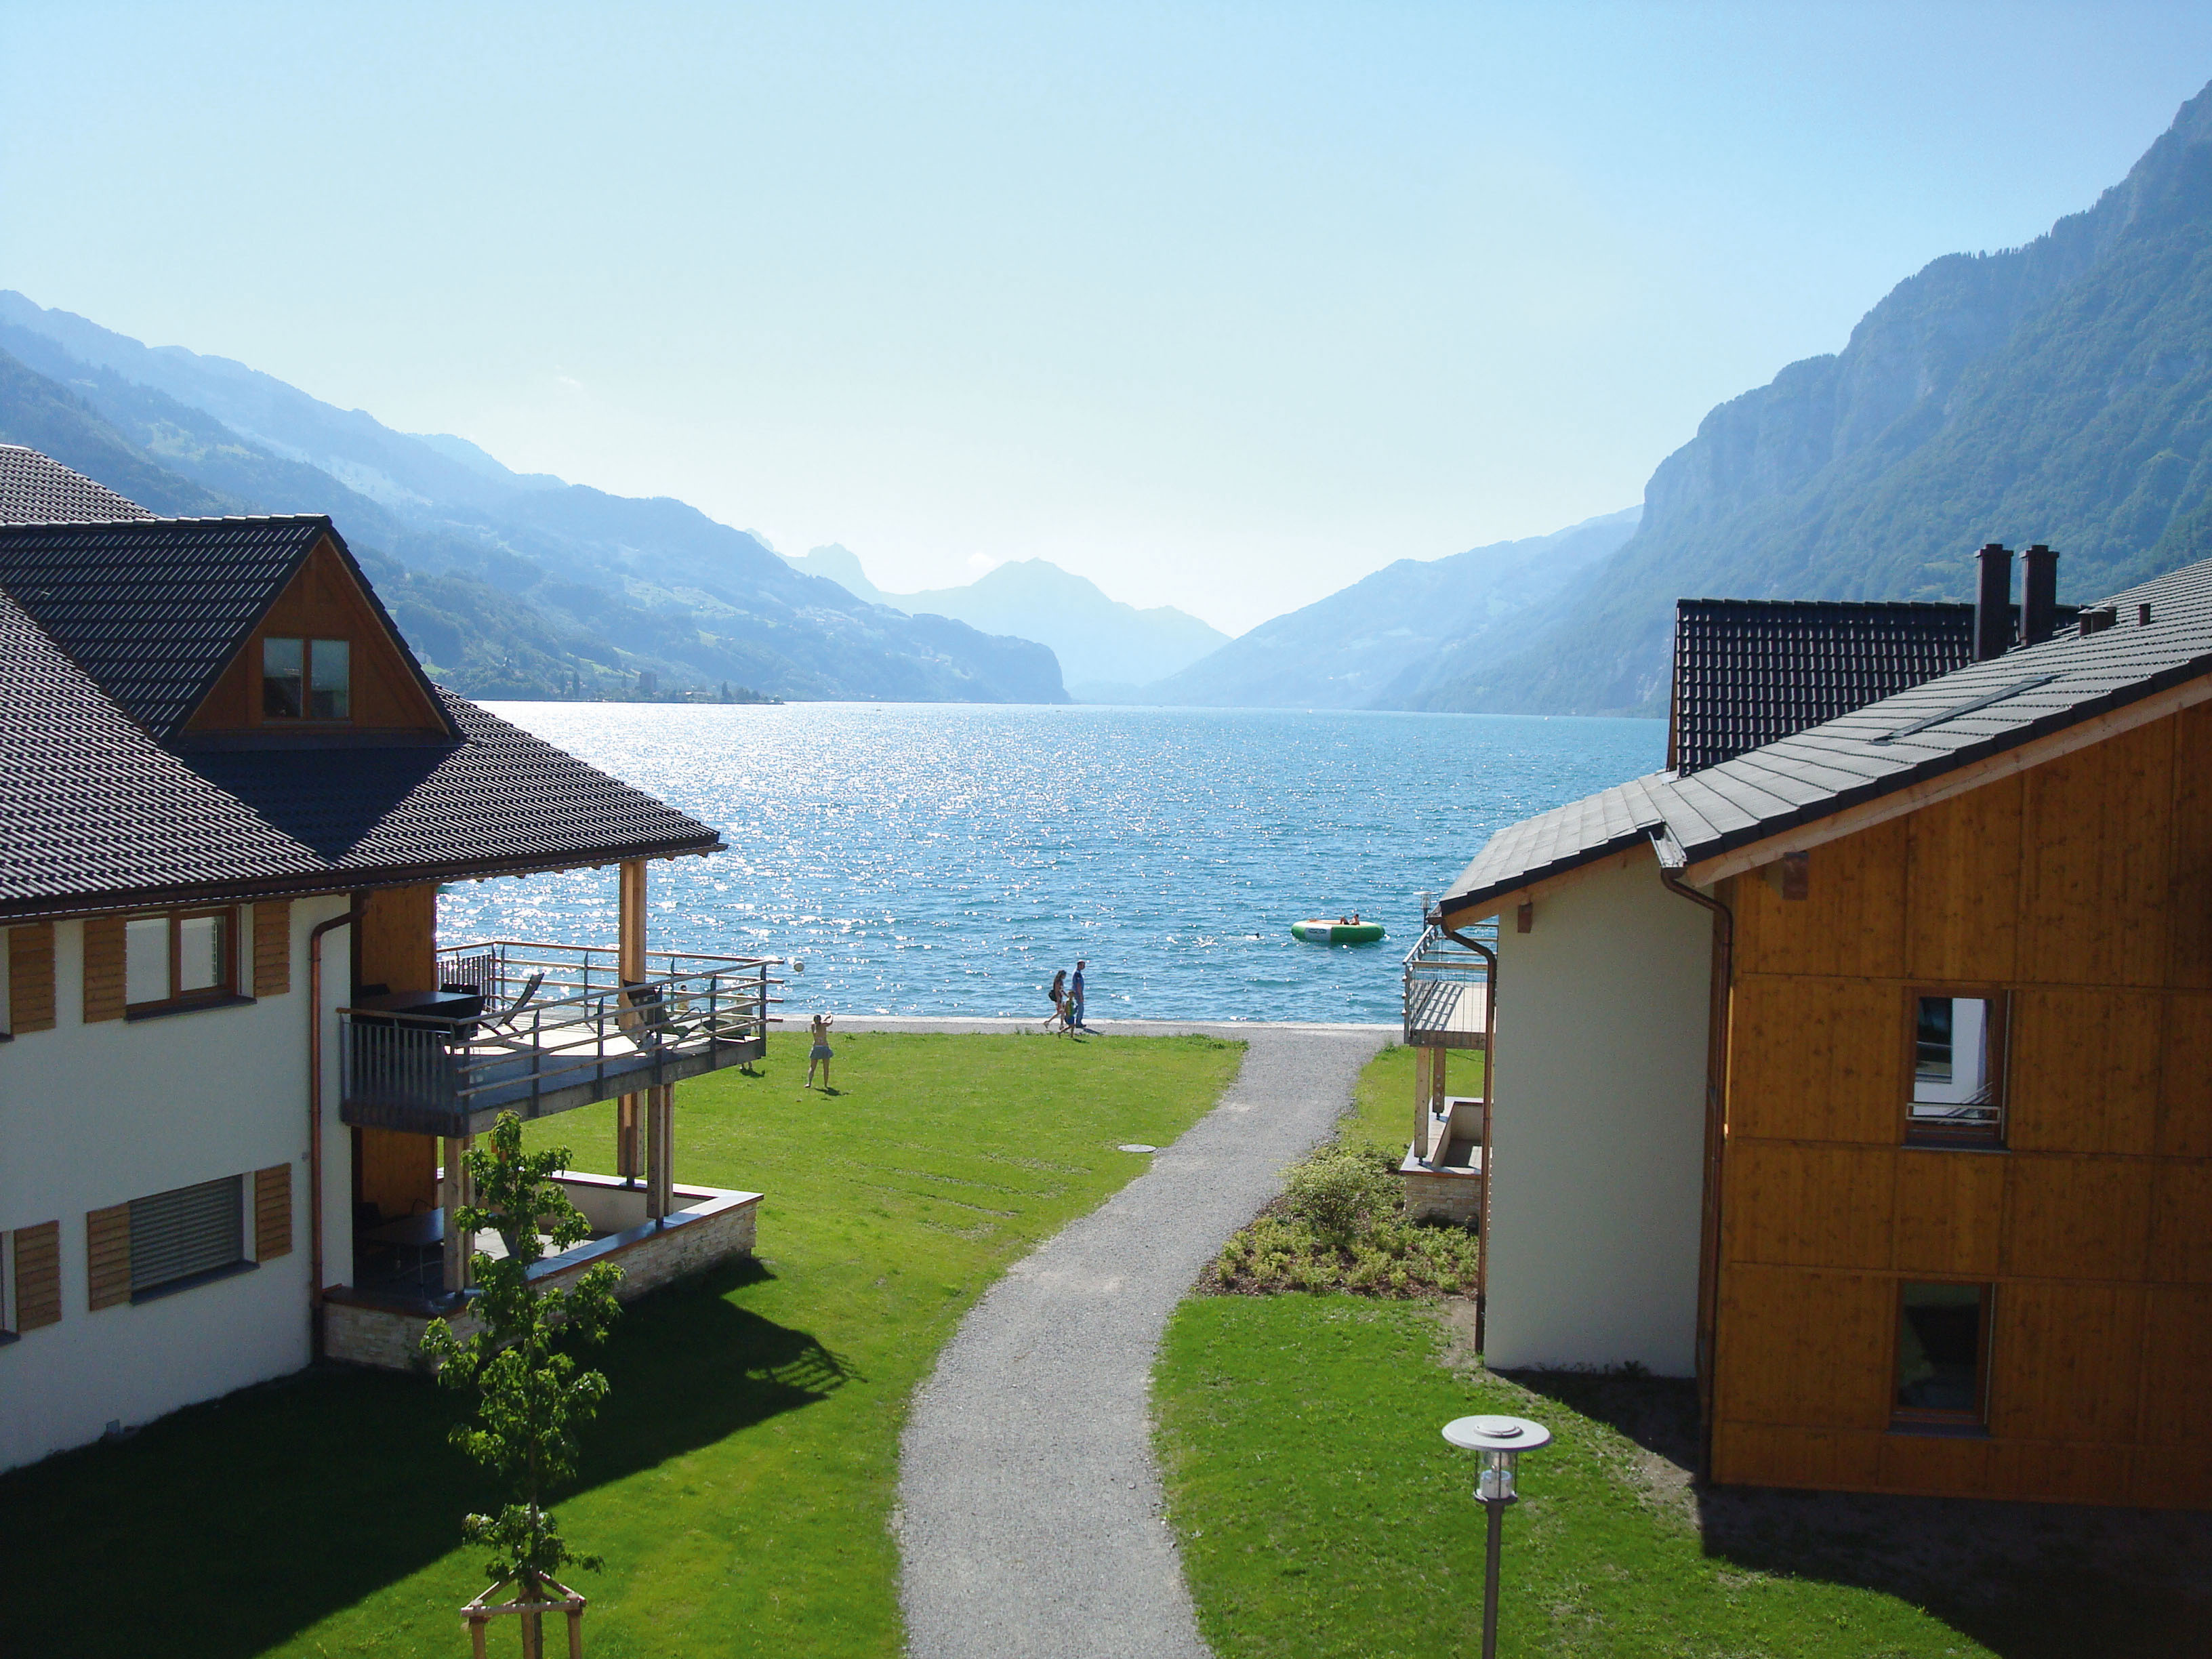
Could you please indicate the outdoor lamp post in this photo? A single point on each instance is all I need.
(1501, 1440)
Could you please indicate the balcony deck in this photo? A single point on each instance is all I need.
(562, 1031)
(1447, 994)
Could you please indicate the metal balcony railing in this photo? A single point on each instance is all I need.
(560, 1028)
(1448, 989)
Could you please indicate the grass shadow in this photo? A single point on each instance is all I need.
(221, 1530)
(2028, 1581)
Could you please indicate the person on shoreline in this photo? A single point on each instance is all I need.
(1059, 1004)
(1075, 1000)
(820, 1054)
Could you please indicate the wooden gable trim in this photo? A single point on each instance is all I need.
(1498, 904)
(326, 598)
(2100, 728)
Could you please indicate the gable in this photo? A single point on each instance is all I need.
(324, 600)
(152, 608)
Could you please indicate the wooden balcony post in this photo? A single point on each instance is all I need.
(629, 966)
(1421, 1059)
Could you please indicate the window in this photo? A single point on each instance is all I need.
(186, 1234)
(306, 679)
(1942, 1356)
(178, 960)
(1957, 1070)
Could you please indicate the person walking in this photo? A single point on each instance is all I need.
(1059, 1004)
(1075, 1000)
(820, 1054)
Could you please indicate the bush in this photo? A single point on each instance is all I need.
(1341, 1190)
(1341, 1226)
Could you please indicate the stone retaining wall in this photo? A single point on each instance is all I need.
(712, 1227)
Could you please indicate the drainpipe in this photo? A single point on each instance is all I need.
(1672, 861)
(315, 1118)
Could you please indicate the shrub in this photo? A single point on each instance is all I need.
(1340, 1225)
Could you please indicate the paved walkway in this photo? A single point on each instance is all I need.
(1030, 1507)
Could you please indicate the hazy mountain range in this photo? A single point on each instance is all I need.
(509, 584)
(1106, 648)
(2059, 392)
(1389, 639)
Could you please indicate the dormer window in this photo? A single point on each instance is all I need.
(306, 679)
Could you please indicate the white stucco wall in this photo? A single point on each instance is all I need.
(93, 1116)
(1598, 1129)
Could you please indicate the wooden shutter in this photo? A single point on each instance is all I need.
(31, 977)
(272, 1212)
(37, 1275)
(103, 971)
(272, 947)
(107, 1256)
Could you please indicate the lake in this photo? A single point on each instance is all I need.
(945, 858)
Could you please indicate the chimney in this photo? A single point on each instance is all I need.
(2038, 595)
(1993, 602)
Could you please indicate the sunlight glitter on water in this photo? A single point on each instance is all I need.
(945, 859)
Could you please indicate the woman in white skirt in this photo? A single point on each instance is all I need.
(820, 1052)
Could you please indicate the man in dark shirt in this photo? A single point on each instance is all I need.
(1075, 1000)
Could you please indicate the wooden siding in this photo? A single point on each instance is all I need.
(2081, 890)
(37, 1275)
(323, 601)
(107, 1256)
(397, 1172)
(31, 977)
(104, 985)
(397, 939)
(272, 1212)
(272, 947)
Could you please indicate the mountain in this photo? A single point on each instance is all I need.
(2058, 393)
(1387, 640)
(617, 584)
(1106, 648)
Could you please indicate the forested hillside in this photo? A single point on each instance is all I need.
(2058, 393)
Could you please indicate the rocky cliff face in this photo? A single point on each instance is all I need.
(2060, 392)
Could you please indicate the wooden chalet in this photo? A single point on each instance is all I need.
(1861, 1068)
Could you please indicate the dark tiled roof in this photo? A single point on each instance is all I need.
(155, 609)
(1935, 727)
(1748, 671)
(111, 633)
(93, 811)
(36, 489)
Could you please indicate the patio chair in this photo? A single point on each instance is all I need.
(654, 1024)
(505, 1018)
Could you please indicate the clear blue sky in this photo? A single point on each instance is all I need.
(1222, 305)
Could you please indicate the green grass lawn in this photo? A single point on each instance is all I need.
(1382, 1102)
(741, 1475)
(1321, 1514)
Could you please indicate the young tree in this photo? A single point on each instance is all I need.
(531, 1397)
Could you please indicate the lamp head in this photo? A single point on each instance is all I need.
(1500, 1440)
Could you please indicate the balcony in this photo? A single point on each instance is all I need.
(537, 1029)
(1447, 990)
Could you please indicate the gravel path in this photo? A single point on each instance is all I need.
(1029, 1508)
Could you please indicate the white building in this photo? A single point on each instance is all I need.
(236, 1068)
